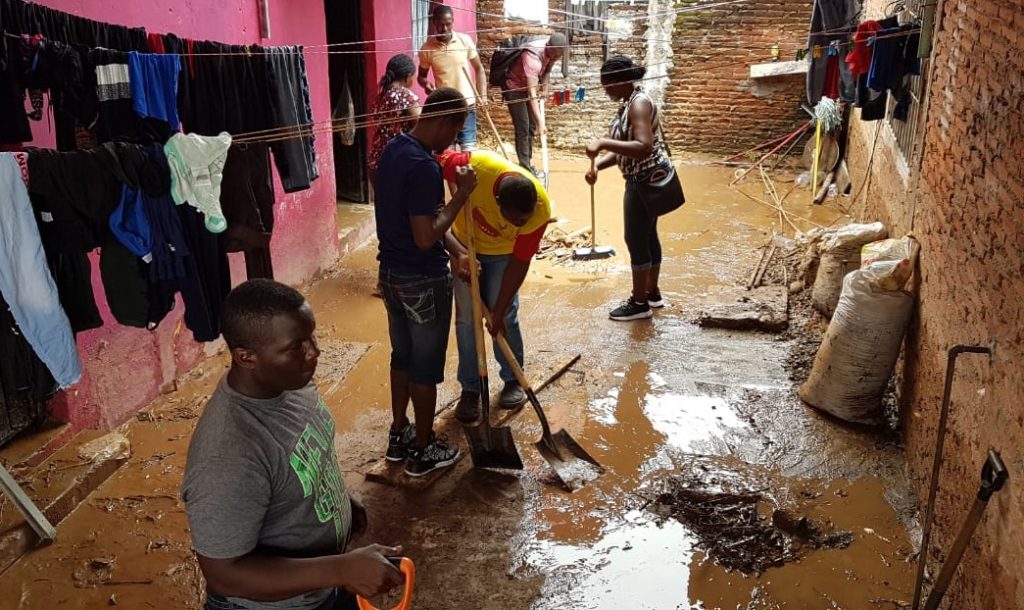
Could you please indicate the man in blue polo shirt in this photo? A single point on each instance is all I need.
(415, 281)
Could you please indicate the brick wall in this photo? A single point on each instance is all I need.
(706, 55)
(963, 197)
(569, 127)
(710, 104)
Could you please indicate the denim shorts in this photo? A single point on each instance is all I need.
(338, 600)
(419, 322)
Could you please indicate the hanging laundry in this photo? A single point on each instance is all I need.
(130, 225)
(831, 21)
(25, 382)
(26, 284)
(207, 278)
(894, 59)
(14, 125)
(247, 198)
(155, 43)
(197, 169)
(117, 119)
(859, 59)
(295, 157)
(153, 81)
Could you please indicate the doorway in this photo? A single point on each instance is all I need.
(344, 25)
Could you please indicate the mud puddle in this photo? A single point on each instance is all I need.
(648, 400)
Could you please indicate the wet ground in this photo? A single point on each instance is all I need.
(662, 404)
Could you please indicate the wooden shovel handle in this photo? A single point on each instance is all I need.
(487, 114)
(474, 288)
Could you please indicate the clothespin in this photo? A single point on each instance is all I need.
(816, 51)
(833, 48)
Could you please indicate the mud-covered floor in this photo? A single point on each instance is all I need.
(659, 403)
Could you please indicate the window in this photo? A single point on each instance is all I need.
(905, 132)
(420, 22)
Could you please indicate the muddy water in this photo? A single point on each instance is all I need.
(648, 400)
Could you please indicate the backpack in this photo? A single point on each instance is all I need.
(505, 56)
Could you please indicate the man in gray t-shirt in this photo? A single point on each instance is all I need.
(269, 514)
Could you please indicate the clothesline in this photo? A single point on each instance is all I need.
(306, 50)
(323, 127)
(296, 131)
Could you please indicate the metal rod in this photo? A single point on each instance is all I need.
(940, 439)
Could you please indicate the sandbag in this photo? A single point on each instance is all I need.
(860, 349)
(840, 254)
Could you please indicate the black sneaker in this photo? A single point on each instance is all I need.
(654, 299)
(631, 310)
(468, 409)
(398, 443)
(512, 395)
(435, 455)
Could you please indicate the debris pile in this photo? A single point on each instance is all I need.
(741, 526)
(558, 245)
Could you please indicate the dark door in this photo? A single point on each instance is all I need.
(344, 25)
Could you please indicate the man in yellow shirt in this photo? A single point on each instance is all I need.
(450, 55)
(511, 211)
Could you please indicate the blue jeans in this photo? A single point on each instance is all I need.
(492, 269)
(467, 136)
(338, 600)
(26, 283)
(419, 321)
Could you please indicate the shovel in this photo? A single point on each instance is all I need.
(993, 477)
(571, 463)
(489, 447)
(406, 566)
(594, 251)
(544, 143)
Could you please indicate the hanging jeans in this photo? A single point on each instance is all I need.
(492, 270)
(26, 283)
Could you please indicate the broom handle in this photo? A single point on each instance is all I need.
(814, 166)
(593, 214)
(487, 114)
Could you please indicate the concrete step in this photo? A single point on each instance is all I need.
(56, 484)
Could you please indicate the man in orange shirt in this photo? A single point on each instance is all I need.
(450, 55)
(510, 212)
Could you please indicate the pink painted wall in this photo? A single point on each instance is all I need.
(389, 22)
(125, 367)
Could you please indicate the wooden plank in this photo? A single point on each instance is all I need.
(40, 524)
(393, 473)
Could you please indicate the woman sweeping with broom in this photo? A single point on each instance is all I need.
(635, 144)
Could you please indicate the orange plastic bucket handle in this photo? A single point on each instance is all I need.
(409, 569)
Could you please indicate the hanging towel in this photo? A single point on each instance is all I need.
(26, 283)
(153, 79)
(859, 59)
(197, 169)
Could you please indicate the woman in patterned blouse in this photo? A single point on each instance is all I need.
(396, 108)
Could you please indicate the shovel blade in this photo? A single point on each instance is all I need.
(571, 463)
(493, 447)
(597, 252)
